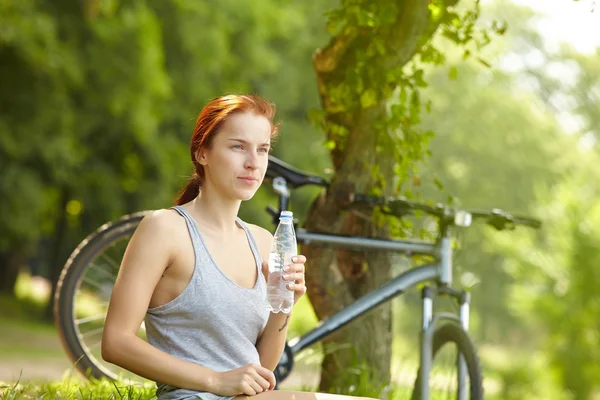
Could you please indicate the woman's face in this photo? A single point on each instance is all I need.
(236, 161)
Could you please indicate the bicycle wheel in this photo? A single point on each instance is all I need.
(82, 296)
(449, 341)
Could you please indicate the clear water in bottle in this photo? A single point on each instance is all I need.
(280, 298)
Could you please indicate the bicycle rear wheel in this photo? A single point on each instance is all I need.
(83, 293)
(450, 341)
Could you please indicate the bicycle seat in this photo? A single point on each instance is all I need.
(294, 177)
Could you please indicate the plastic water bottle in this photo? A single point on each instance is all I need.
(280, 298)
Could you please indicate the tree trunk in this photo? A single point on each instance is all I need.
(57, 251)
(337, 278)
(10, 265)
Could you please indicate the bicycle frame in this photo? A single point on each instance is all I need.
(440, 272)
(389, 290)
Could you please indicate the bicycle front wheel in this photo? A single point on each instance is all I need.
(83, 293)
(449, 342)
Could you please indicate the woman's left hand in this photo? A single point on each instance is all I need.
(295, 274)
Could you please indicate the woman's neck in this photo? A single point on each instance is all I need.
(215, 213)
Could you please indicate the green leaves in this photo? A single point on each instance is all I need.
(368, 98)
(453, 73)
(103, 101)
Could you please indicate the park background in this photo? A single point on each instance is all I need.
(98, 101)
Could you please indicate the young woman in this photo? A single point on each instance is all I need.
(195, 274)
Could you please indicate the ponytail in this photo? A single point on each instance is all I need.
(191, 190)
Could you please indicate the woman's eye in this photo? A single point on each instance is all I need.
(264, 150)
(236, 146)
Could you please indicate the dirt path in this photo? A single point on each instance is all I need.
(31, 354)
(33, 370)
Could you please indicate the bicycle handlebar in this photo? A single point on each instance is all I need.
(400, 206)
(498, 218)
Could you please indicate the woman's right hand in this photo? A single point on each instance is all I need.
(250, 380)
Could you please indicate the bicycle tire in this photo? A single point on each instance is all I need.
(453, 333)
(67, 285)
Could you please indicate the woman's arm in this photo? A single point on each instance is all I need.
(271, 341)
(146, 258)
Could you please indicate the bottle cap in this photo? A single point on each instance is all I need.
(286, 214)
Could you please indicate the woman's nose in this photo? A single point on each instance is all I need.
(252, 161)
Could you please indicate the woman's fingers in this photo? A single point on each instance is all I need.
(295, 268)
(297, 287)
(269, 377)
(259, 383)
(297, 277)
(299, 259)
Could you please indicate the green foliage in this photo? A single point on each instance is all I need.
(373, 75)
(372, 80)
(518, 375)
(498, 143)
(102, 101)
(556, 280)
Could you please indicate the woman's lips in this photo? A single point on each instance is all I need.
(249, 181)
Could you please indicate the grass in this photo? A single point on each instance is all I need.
(70, 389)
(103, 389)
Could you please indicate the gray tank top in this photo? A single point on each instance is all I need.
(214, 322)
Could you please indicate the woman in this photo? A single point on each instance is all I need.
(194, 273)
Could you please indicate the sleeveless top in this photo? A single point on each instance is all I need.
(214, 322)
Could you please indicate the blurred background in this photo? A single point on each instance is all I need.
(98, 103)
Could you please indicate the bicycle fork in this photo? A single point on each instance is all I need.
(430, 324)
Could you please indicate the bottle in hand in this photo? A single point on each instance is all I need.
(280, 298)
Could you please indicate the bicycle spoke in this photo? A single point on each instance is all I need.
(443, 376)
(114, 265)
(92, 318)
(102, 271)
(95, 346)
(92, 332)
(94, 284)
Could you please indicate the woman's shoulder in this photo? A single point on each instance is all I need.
(259, 231)
(163, 222)
(263, 238)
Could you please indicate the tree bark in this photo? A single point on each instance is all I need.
(335, 279)
(10, 265)
(57, 251)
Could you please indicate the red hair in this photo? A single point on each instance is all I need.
(210, 120)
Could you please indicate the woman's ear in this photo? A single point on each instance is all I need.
(201, 156)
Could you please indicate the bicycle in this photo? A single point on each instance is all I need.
(85, 285)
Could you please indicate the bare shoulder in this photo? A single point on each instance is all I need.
(155, 238)
(264, 238)
(161, 223)
(260, 231)
(159, 232)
